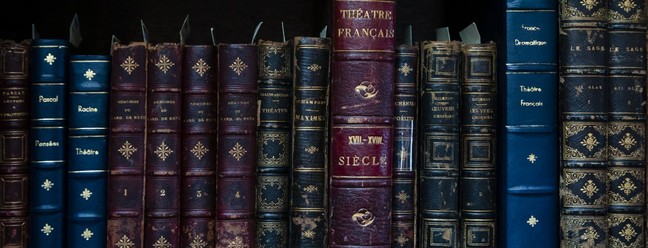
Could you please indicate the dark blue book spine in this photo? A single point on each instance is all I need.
(48, 64)
(87, 151)
(529, 123)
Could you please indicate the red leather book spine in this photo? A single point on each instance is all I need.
(126, 145)
(199, 115)
(237, 146)
(163, 150)
(362, 112)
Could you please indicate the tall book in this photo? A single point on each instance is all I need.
(438, 185)
(626, 127)
(14, 137)
(362, 122)
(237, 145)
(48, 142)
(163, 146)
(126, 149)
(199, 116)
(405, 145)
(477, 180)
(273, 143)
(528, 120)
(311, 78)
(87, 109)
(583, 58)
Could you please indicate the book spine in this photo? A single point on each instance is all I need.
(163, 146)
(404, 159)
(126, 149)
(237, 126)
(87, 110)
(274, 143)
(583, 50)
(438, 208)
(47, 142)
(362, 122)
(528, 120)
(14, 133)
(199, 116)
(311, 74)
(626, 129)
(477, 184)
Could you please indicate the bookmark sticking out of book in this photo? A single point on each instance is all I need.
(75, 32)
(213, 37)
(184, 31)
(323, 32)
(35, 35)
(258, 27)
(145, 34)
(408, 35)
(283, 32)
(443, 34)
(113, 41)
(470, 35)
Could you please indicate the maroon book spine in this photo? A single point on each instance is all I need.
(14, 133)
(163, 151)
(237, 149)
(362, 113)
(126, 145)
(199, 115)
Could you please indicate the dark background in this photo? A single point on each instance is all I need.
(233, 21)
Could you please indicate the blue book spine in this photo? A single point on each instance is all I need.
(48, 65)
(87, 150)
(529, 112)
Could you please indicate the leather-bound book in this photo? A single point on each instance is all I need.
(583, 89)
(274, 143)
(126, 149)
(48, 142)
(163, 146)
(362, 122)
(405, 146)
(311, 78)
(237, 145)
(87, 151)
(14, 133)
(438, 185)
(199, 116)
(477, 180)
(626, 129)
(528, 119)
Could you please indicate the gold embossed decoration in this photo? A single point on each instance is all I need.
(309, 234)
(628, 232)
(199, 150)
(47, 184)
(198, 242)
(164, 63)
(162, 243)
(590, 236)
(273, 157)
(627, 186)
(129, 66)
(310, 188)
(87, 234)
(589, 188)
(127, 149)
(532, 221)
(314, 67)
(363, 217)
(237, 243)
(125, 242)
(50, 59)
(311, 149)
(589, 4)
(402, 196)
(238, 66)
(89, 74)
(403, 154)
(401, 240)
(163, 151)
(627, 141)
(627, 5)
(590, 142)
(532, 158)
(47, 229)
(405, 69)
(237, 151)
(367, 90)
(201, 67)
(86, 194)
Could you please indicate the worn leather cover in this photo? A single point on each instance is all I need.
(126, 149)
(163, 145)
(583, 49)
(237, 145)
(14, 133)
(440, 152)
(311, 78)
(405, 146)
(274, 143)
(48, 96)
(362, 122)
(477, 183)
(199, 116)
(87, 152)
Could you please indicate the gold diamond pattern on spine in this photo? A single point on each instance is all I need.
(129, 65)
(237, 151)
(238, 66)
(201, 67)
(163, 151)
(127, 149)
(199, 150)
(164, 63)
(125, 242)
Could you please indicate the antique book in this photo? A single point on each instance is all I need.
(362, 122)
(626, 127)
(199, 116)
(438, 117)
(405, 145)
(311, 78)
(163, 145)
(48, 142)
(583, 57)
(528, 120)
(126, 149)
(477, 180)
(14, 133)
(87, 151)
(237, 145)
(273, 143)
